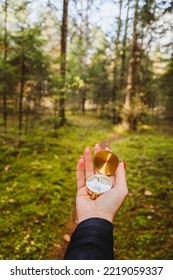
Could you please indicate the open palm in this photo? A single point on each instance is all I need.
(106, 205)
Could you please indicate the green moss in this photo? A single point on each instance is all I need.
(38, 187)
(144, 224)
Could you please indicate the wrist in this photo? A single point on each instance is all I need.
(81, 218)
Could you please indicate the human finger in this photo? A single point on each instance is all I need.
(88, 163)
(97, 148)
(80, 173)
(107, 148)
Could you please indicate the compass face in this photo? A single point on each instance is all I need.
(99, 183)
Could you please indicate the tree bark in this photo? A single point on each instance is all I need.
(63, 62)
(130, 90)
(115, 86)
(123, 73)
(83, 45)
(81, 58)
(22, 84)
(5, 60)
(140, 74)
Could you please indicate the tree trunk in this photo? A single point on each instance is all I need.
(130, 90)
(22, 84)
(123, 73)
(5, 59)
(83, 100)
(84, 42)
(63, 62)
(27, 114)
(81, 58)
(140, 74)
(115, 86)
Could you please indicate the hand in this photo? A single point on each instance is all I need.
(107, 204)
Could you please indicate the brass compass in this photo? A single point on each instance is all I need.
(105, 163)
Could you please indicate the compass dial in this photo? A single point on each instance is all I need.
(99, 184)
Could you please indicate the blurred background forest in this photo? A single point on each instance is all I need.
(113, 56)
(73, 73)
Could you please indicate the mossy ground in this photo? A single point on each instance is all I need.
(37, 189)
(143, 228)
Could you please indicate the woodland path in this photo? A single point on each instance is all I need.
(59, 250)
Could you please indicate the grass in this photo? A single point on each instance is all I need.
(37, 189)
(37, 186)
(143, 226)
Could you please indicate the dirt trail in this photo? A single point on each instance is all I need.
(59, 249)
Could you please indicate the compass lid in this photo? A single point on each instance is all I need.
(106, 162)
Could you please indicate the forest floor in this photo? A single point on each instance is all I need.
(38, 189)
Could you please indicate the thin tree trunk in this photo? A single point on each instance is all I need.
(27, 114)
(55, 112)
(146, 64)
(22, 84)
(84, 92)
(5, 60)
(139, 78)
(130, 90)
(81, 58)
(115, 86)
(63, 62)
(84, 42)
(83, 100)
(123, 72)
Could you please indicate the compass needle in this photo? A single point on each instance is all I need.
(97, 185)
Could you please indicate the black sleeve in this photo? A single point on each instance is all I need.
(91, 240)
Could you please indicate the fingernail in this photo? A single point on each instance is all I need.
(125, 163)
(97, 144)
(87, 150)
(81, 157)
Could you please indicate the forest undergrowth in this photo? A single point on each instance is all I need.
(37, 188)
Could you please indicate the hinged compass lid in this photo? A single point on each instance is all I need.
(105, 162)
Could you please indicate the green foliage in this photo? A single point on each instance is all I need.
(30, 60)
(7, 70)
(28, 47)
(147, 13)
(99, 79)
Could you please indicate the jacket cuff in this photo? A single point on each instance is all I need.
(92, 239)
